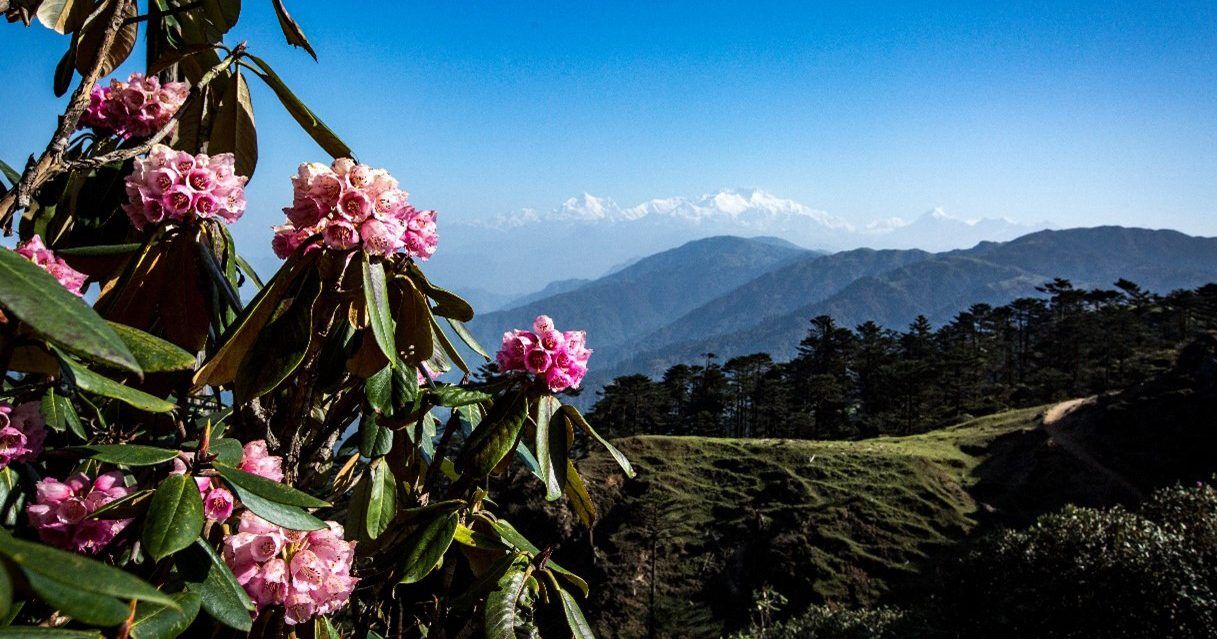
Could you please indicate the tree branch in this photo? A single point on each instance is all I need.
(196, 93)
(51, 161)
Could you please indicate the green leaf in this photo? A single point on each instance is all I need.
(233, 129)
(290, 517)
(509, 535)
(376, 298)
(155, 621)
(574, 617)
(60, 414)
(175, 516)
(11, 175)
(128, 454)
(84, 606)
(154, 354)
(551, 448)
(34, 632)
(382, 498)
(392, 391)
(6, 593)
(222, 597)
(90, 382)
(576, 492)
(101, 250)
(271, 490)
(63, 16)
(292, 30)
(447, 303)
(494, 437)
(455, 396)
(577, 417)
(503, 613)
(374, 440)
(132, 505)
(467, 337)
(316, 129)
(78, 572)
(323, 629)
(426, 546)
(46, 307)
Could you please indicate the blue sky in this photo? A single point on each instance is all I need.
(1082, 114)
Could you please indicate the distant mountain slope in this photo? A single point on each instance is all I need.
(776, 293)
(649, 293)
(944, 284)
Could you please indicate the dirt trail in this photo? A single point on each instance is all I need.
(1056, 423)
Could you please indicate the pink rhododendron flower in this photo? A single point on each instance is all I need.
(136, 108)
(218, 502)
(558, 358)
(35, 251)
(61, 509)
(353, 205)
(259, 462)
(179, 186)
(309, 574)
(22, 431)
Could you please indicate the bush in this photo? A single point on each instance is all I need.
(833, 622)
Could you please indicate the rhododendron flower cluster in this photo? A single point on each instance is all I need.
(218, 502)
(351, 205)
(559, 358)
(309, 574)
(175, 185)
(136, 108)
(22, 431)
(61, 511)
(35, 251)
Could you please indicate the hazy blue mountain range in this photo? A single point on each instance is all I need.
(732, 296)
(588, 237)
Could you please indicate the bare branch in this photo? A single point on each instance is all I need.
(50, 163)
(196, 93)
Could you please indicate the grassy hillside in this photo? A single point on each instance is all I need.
(709, 522)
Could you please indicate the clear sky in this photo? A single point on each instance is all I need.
(1094, 112)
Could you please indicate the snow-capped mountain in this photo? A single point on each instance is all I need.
(586, 236)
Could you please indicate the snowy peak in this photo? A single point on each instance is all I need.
(748, 208)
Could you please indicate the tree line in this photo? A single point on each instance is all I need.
(870, 380)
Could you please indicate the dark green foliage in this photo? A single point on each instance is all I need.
(845, 383)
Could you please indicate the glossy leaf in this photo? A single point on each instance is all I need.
(426, 546)
(502, 612)
(375, 440)
(494, 437)
(549, 454)
(38, 632)
(78, 572)
(128, 454)
(88, 607)
(88, 47)
(575, 620)
(6, 593)
(455, 396)
(9, 173)
(447, 303)
(175, 516)
(154, 354)
(155, 621)
(577, 418)
(90, 382)
(267, 489)
(291, 517)
(59, 413)
(64, 71)
(38, 300)
(304, 116)
(414, 340)
(221, 596)
(576, 492)
(392, 391)
(292, 30)
(381, 498)
(376, 300)
(233, 130)
(467, 337)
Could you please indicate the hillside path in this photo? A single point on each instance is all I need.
(1055, 423)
